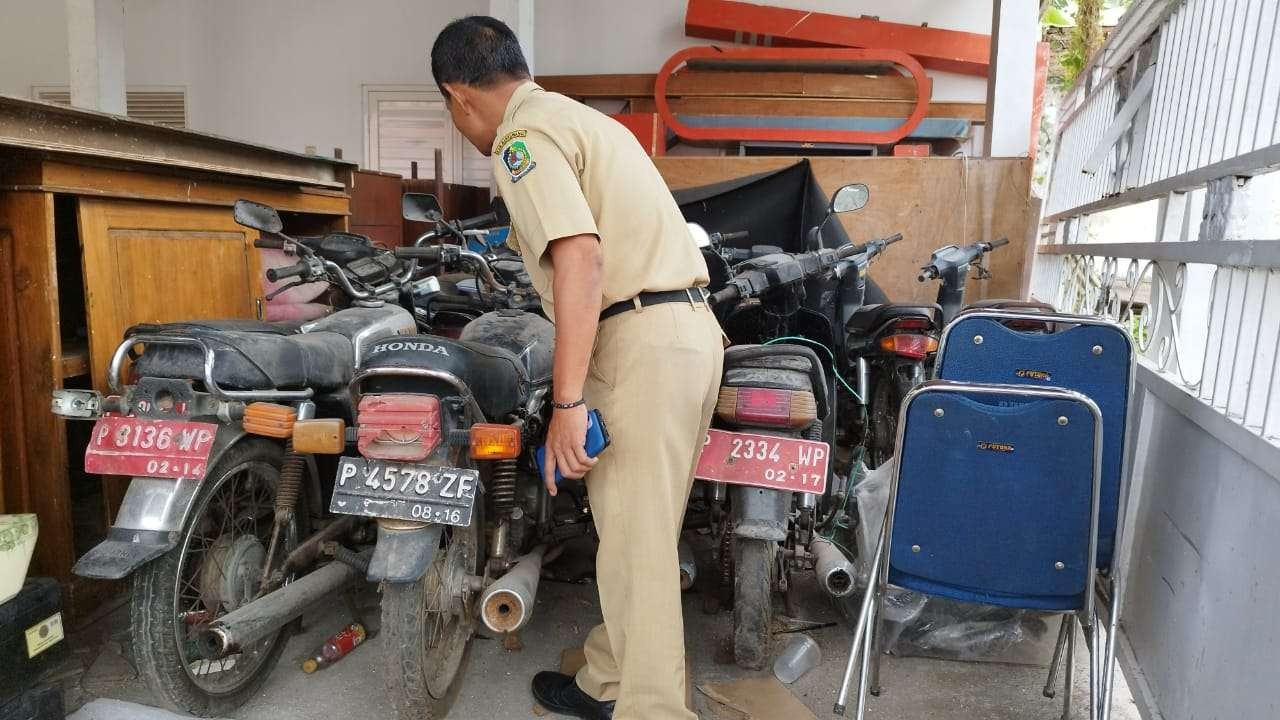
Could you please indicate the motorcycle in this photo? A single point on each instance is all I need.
(766, 470)
(440, 459)
(892, 345)
(222, 529)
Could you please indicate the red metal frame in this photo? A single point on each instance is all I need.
(937, 48)
(857, 137)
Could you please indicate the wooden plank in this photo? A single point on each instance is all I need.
(156, 262)
(117, 182)
(35, 454)
(964, 200)
(689, 83)
(939, 49)
(811, 107)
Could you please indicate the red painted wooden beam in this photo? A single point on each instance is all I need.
(803, 55)
(937, 49)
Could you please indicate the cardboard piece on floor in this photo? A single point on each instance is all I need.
(572, 660)
(759, 699)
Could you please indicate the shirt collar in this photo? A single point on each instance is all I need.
(518, 97)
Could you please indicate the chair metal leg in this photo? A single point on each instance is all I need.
(1095, 667)
(877, 649)
(1058, 647)
(1070, 624)
(1109, 654)
(868, 648)
(859, 630)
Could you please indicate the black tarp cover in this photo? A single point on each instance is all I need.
(777, 208)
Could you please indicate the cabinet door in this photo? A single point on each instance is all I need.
(160, 262)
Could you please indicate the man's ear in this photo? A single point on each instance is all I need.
(459, 96)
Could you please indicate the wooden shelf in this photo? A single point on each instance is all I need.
(75, 359)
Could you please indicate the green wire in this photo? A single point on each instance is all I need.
(856, 467)
(830, 355)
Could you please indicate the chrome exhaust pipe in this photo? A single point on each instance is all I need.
(507, 604)
(834, 570)
(688, 568)
(259, 618)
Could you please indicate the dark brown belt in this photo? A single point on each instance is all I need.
(688, 295)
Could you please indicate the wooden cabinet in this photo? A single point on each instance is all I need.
(105, 223)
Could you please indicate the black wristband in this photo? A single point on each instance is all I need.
(569, 406)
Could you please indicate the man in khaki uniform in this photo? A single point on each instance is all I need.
(610, 254)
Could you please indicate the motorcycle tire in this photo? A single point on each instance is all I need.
(753, 568)
(182, 578)
(424, 672)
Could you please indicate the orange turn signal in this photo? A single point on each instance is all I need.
(269, 419)
(326, 436)
(495, 442)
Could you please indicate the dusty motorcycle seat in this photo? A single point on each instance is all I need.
(868, 318)
(253, 358)
(495, 376)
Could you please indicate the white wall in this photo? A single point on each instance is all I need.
(290, 73)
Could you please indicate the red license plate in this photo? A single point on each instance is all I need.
(766, 461)
(149, 448)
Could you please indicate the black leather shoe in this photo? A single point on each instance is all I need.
(559, 693)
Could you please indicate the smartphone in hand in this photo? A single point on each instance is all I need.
(597, 440)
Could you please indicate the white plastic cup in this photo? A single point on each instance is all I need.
(800, 655)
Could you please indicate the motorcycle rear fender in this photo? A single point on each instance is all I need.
(759, 513)
(150, 518)
(403, 555)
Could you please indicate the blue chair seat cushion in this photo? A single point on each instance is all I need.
(1065, 359)
(994, 499)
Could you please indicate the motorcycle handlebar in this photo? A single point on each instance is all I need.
(295, 270)
(726, 294)
(269, 243)
(430, 253)
(997, 243)
(893, 238)
(734, 236)
(477, 221)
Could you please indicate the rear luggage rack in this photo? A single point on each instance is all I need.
(211, 386)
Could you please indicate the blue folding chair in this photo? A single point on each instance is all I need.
(1089, 355)
(994, 500)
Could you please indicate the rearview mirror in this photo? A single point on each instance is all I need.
(499, 210)
(850, 197)
(420, 207)
(262, 218)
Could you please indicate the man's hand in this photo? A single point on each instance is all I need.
(566, 447)
(575, 285)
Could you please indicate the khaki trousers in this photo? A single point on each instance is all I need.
(654, 376)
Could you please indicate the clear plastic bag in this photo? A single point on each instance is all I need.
(917, 624)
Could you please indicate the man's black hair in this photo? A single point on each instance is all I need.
(477, 50)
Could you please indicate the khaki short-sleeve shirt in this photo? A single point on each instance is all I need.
(565, 169)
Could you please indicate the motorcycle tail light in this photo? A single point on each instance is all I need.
(912, 324)
(269, 419)
(495, 442)
(397, 426)
(911, 346)
(767, 406)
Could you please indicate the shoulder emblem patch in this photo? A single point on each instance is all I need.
(516, 157)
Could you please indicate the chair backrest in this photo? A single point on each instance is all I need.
(1089, 355)
(994, 496)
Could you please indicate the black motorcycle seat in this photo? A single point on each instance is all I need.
(251, 359)
(495, 376)
(869, 318)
